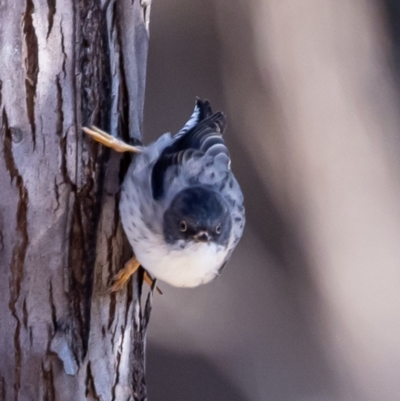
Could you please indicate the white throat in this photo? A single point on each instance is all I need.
(190, 266)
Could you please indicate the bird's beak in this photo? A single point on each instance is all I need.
(202, 236)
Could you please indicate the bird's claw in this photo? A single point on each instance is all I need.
(119, 280)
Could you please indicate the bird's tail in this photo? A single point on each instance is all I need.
(202, 110)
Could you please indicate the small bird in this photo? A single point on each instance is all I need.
(181, 206)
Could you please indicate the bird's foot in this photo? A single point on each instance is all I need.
(119, 280)
(110, 141)
(131, 266)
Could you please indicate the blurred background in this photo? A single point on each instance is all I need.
(308, 309)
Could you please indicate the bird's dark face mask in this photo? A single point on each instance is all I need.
(197, 214)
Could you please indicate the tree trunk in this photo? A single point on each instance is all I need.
(65, 64)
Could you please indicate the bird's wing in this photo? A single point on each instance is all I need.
(202, 136)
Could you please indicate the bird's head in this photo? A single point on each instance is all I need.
(197, 214)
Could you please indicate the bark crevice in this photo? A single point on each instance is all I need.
(51, 4)
(31, 65)
(90, 384)
(49, 391)
(62, 42)
(19, 249)
(60, 113)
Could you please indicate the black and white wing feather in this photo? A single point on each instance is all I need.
(201, 136)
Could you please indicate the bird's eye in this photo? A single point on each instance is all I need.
(218, 229)
(183, 226)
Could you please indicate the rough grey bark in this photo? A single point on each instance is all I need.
(64, 64)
